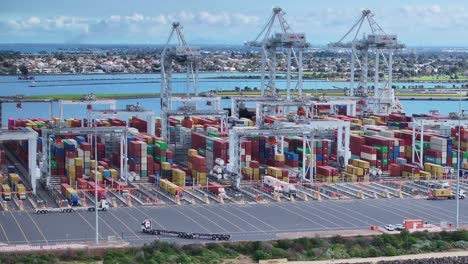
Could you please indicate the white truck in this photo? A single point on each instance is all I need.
(103, 205)
(280, 186)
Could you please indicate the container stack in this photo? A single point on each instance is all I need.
(178, 177)
(327, 174)
(197, 167)
(138, 158)
(357, 171)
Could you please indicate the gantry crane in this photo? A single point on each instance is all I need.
(270, 43)
(19, 99)
(382, 45)
(190, 57)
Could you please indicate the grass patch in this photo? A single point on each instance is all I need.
(295, 249)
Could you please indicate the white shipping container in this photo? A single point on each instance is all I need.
(438, 141)
(438, 147)
(402, 148)
(368, 156)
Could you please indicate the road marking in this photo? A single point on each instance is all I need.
(297, 206)
(357, 212)
(410, 211)
(254, 217)
(206, 208)
(421, 204)
(216, 224)
(221, 208)
(315, 205)
(122, 223)
(193, 220)
(145, 214)
(301, 216)
(40, 231)
(21, 229)
(112, 229)
(92, 228)
(5, 233)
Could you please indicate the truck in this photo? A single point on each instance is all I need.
(6, 192)
(280, 186)
(103, 205)
(71, 194)
(147, 229)
(217, 189)
(21, 191)
(435, 194)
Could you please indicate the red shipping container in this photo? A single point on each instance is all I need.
(82, 183)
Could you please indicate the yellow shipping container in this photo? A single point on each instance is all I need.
(441, 192)
(20, 188)
(425, 175)
(192, 152)
(165, 165)
(114, 174)
(71, 168)
(99, 176)
(247, 170)
(279, 157)
(355, 170)
(79, 162)
(275, 172)
(14, 178)
(361, 163)
(92, 164)
(465, 165)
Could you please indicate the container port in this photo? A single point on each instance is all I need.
(307, 157)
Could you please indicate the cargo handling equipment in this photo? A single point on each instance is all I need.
(146, 228)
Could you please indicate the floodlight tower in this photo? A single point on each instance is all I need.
(182, 53)
(270, 43)
(383, 46)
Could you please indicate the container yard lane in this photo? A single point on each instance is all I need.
(242, 222)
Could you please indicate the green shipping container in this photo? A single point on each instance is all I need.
(384, 162)
(144, 173)
(465, 155)
(150, 149)
(299, 150)
(160, 145)
(318, 144)
(213, 134)
(53, 165)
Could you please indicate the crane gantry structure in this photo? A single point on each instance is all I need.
(190, 57)
(270, 43)
(381, 45)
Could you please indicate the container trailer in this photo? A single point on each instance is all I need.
(103, 205)
(146, 228)
(6, 192)
(21, 191)
(436, 194)
(280, 186)
(217, 189)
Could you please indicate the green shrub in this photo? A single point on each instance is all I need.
(261, 255)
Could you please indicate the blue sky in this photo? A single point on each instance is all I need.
(417, 22)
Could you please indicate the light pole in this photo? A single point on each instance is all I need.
(458, 160)
(96, 184)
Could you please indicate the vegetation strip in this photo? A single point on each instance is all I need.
(302, 249)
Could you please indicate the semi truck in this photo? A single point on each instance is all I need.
(147, 229)
(21, 191)
(435, 194)
(217, 189)
(6, 192)
(280, 186)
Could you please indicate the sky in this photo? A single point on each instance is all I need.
(416, 22)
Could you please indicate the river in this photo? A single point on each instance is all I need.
(149, 83)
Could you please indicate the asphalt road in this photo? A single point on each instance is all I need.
(243, 222)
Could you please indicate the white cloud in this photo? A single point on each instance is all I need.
(33, 20)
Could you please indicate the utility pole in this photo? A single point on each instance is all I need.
(96, 185)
